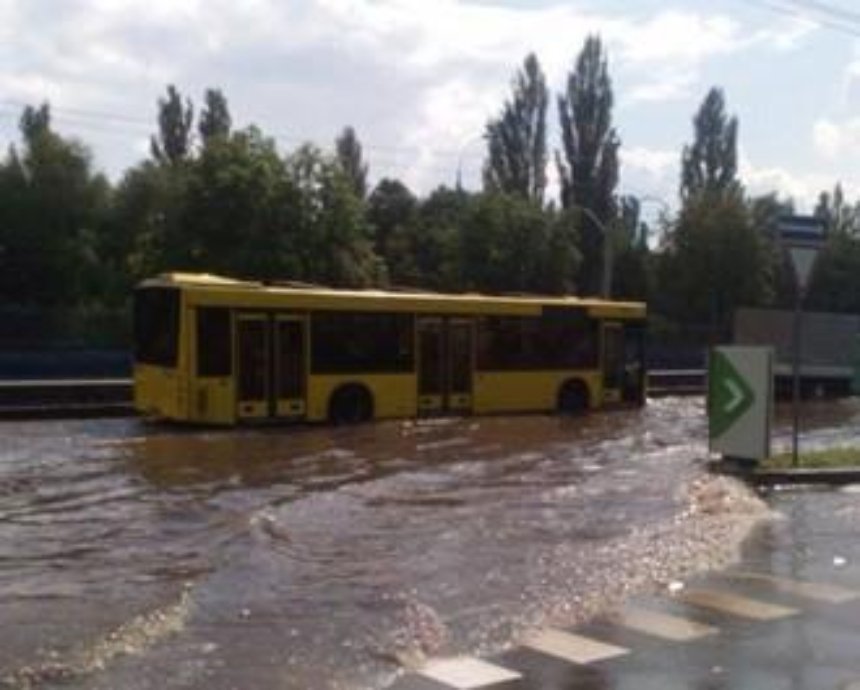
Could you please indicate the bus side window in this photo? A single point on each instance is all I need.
(214, 342)
(361, 342)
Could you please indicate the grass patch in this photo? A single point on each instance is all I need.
(831, 457)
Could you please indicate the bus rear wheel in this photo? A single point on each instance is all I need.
(350, 404)
(573, 398)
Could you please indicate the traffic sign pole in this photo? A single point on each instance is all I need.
(803, 237)
(795, 402)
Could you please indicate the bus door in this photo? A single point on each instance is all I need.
(634, 363)
(613, 362)
(460, 364)
(290, 366)
(253, 365)
(445, 364)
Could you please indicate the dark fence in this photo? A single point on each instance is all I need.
(677, 346)
(64, 343)
(24, 328)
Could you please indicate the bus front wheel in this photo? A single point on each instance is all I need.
(350, 404)
(573, 398)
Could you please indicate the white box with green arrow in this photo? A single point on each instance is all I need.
(740, 401)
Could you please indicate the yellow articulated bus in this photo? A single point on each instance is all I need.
(211, 350)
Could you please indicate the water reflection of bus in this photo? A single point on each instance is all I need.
(219, 351)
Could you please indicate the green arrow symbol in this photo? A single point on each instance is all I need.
(729, 395)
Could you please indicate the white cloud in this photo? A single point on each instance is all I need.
(654, 173)
(786, 35)
(658, 163)
(835, 140)
(677, 36)
(803, 188)
(669, 85)
(414, 77)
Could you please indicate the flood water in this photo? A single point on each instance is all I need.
(136, 556)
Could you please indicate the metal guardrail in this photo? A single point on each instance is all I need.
(93, 397)
(666, 382)
(65, 398)
(21, 384)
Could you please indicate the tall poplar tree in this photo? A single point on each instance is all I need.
(588, 163)
(516, 140)
(172, 144)
(710, 164)
(718, 260)
(350, 158)
(215, 120)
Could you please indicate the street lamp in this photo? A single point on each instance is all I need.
(664, 206)
(606, 278)
(463, 146)
(609, 239)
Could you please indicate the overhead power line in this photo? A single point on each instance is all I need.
(828, 9)
(819, 13)
(89, 119)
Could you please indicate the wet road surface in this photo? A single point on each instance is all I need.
(786, 617)
(151, 557)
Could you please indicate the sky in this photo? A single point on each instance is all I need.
(419, 79)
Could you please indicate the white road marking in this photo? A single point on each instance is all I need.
(570, 647)
(662, 625)
(809, 590)
(735, 605)
(466, 673)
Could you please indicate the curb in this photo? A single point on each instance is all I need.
(795, 476)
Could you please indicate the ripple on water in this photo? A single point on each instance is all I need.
(131, 638)
(363, 548)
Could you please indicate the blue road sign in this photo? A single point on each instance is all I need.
(801, 231)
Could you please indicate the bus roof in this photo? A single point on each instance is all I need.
(213, 289)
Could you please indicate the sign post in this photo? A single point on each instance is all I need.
(740, 401)
(802, 237)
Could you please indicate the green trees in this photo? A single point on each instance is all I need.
(233, 219)
(835, 281)
(516, 140)
(588, 163)
(391, 210)
(716, 260)
(333, 237)
(52, 208)
(145, 231)
(511, 244)
(215, 197)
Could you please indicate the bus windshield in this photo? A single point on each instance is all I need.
(156, 326)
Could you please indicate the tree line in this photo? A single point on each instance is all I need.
(216, 198)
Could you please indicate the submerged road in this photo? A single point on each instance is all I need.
(153, 557)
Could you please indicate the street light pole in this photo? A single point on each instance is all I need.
(606, 278)
(608, 242)
(466, 144)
